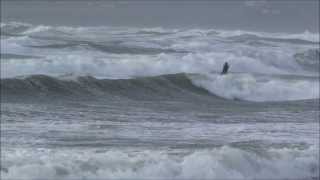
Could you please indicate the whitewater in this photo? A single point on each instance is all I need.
(150, 103)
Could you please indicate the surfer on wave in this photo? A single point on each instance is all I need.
(225, 68)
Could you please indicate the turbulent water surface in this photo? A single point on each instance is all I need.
(141, 103)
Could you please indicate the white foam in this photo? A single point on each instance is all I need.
(85, 62)
(253, 88)
(306, 35)
(206, 53)
(218, 163)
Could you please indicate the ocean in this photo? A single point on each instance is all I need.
(116, 102)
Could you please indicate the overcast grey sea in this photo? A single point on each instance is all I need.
(106, 101)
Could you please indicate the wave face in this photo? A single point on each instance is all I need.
(126, 53)
(178, 86)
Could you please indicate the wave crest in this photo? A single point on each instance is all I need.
(145, 88)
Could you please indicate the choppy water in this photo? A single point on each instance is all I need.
(132, 103)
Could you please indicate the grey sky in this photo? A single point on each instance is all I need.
(263, 15)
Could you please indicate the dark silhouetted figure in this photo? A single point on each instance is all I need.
(225, 68)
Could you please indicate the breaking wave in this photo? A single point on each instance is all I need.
(183, 86)
(260, 87)
(15, 28)
(125, 52)
(96, 53)
(218, 163)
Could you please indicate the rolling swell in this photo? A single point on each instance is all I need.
(106, 47)
(164, 87)
(252, 37)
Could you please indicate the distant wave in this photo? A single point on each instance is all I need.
(178, 86)
(281, 37)
(114, 48)
(291, 40)
(18, 28)
(16, 56)
(126, 52)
